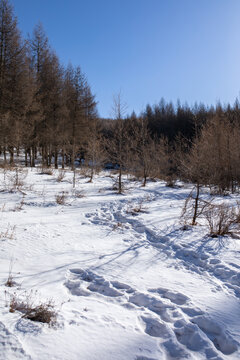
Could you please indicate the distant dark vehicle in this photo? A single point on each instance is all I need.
(111, 166)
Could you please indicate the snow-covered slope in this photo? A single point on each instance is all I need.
(127, 286)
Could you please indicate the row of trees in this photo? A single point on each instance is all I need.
(210, 159)
(49, 112)
(169, 120)
(43, 106)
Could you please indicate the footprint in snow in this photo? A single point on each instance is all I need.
(198, 332)
(10, 346)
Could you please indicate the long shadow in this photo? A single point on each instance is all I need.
(55, 269)
(116, 255)
(215, 245)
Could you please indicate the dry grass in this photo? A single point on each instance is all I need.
(140, 207)
(222, 219)
(8, 234)
(84, 172)
(43, 312)
(78, 194)
(61, 175)
(46, 171)
(19, 206)
(61, 198)
(14, 180)
(10, 282)
(117, 226)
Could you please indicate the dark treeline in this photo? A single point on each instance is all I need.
(165, 119)
(49, 113)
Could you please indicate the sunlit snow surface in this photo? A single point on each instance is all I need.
(126, 286)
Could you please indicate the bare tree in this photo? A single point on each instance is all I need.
(144, 154)
(95, 152)
(118, 144)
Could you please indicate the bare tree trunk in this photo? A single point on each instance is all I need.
(63, 158)
(56, 158)
(30, 155)
(11, 151)
(26, 159)
(196, 205)
(4, 155)
(91, 175)
(33, 152)
(144, 177)
(120, 180)
(74, 178)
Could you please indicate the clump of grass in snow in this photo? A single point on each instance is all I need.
(43, 312)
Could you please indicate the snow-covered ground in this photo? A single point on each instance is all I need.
(126, 286)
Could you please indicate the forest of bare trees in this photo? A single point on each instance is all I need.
(49, 114)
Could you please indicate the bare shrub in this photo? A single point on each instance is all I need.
(170, 182)
(138, 208)
(10, 282)
(218, 137)
(84, 172)
(61, 198)
(43, 312)
(118, 225)
(19, 206)
(61, 175)
(2, 209)
(8, 233)
(221, 218)
(46, 171)
(194, 207)
(14, 180)
(78, 194)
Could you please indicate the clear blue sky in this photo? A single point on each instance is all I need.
(186, 49)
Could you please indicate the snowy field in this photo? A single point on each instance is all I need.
(126, 285)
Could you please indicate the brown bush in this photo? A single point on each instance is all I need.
(221, 218)
(44, 312)
(61, 198)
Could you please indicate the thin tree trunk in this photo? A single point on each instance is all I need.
(26, 159)
(196, 205)
(63, 158)
(11, 151)
(56, 158)
(33, 152)
(120, 180)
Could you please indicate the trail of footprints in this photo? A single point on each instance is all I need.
(199, 262)
(11, 347)
(165, 315)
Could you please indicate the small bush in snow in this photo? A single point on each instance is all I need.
(61, 198)
(194, 207)
(78, 194)
(46, 171)
(221, 219)
(170, 182)
(15, 180)
(8, 233)
(117, 226)
(10, 282)
(61, 176)
(43, 312)
(84, 172)
(19, 206)
(138, 208)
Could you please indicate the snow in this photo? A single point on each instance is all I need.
(126, 285)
